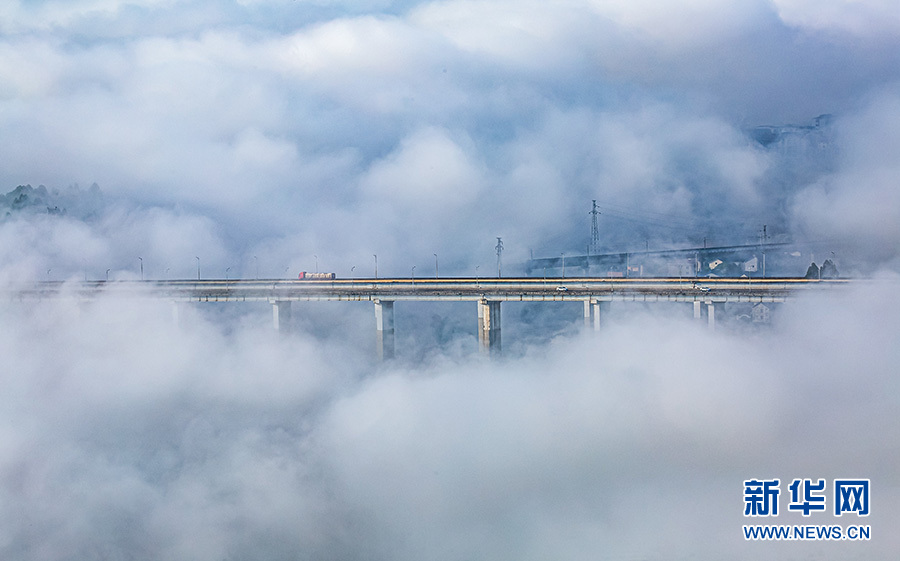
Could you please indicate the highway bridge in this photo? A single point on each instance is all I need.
(488, 293)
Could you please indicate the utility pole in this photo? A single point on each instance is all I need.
(763, 240)
(499, 249)
(594, 248)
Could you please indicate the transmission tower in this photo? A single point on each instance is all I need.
(499, 249)
(595, 231)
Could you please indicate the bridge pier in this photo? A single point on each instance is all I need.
(281, 315)
(384, 329)
(697, 309)
(711, 314)
(480, 327)
(489, 326)
(592, 314)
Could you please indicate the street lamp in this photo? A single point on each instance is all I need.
(226, 272)
(563, 256)
(435, 265)
(351, 271)
(317, 262)
(376, 265)
(141, 259)
(107, 275)
(413, 272)
(255, 260)
(198, 267)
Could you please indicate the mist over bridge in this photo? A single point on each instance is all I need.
(487, 293)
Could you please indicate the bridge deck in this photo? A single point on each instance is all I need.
(459, 289)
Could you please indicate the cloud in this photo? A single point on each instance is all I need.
(429, 171)
(269, 138)
(858, 18)
(545, 112)
(859, 203)
(218, 439)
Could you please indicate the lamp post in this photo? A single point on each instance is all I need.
(141, 259)
(107, 275)
(226, 272)
(198, 267)
(413, 272)
(256, 261)
(317, 262)
(435, 265)
(376, 265)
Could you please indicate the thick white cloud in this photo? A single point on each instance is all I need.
(282, 136)
(279, 123)
(860, 204)
(137, 438)
(429, 172)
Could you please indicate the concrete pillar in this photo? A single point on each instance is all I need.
(384, 329)
(281, 315)
(482, 345)
(587, 314)
(711, 310)
(489, 326)
(596, 305)
(494, 327)
(697, 309)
